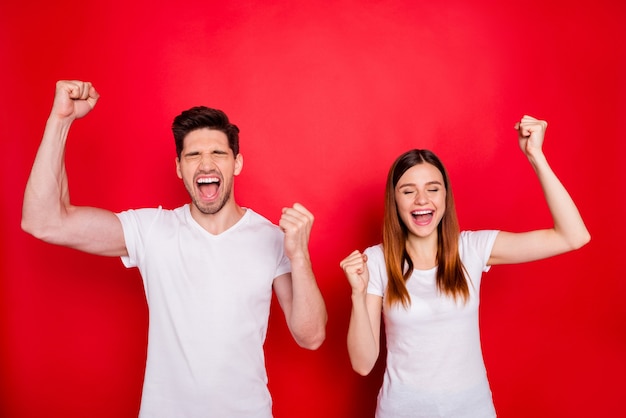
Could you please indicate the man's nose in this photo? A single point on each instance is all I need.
(206, 161)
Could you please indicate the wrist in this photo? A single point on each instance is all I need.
(358, 294)
(55, 120)
(536, 158)
(300, 260)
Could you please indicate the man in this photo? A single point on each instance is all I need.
(208, 267)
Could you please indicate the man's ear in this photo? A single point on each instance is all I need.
(178, 172)
(238, 164)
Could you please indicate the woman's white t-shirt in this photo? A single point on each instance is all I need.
(434, 366)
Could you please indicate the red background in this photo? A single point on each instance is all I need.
(326, 96)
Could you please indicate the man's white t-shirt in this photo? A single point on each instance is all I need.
(209, 300)
(434, 366)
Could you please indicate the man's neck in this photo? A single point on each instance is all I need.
(218, 222)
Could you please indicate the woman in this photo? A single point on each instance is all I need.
(424, 280)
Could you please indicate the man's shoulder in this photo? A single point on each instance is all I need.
(153, 214)
(256, 220)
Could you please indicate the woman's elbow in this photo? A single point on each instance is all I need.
(362, 369)
(362, 363)
(582, 240)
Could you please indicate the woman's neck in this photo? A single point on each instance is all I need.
(423, 251)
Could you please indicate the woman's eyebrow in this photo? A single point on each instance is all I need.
(429, 183)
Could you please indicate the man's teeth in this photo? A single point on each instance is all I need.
(208, 180)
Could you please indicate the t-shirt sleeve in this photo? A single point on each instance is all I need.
(479, 243)
(276, 238)
(136, 224)
(377, 271)
(284, 266)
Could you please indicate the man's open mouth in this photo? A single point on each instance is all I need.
(208, 186)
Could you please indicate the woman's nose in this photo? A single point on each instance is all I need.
(420, 198)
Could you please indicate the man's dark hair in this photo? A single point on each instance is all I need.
(199, 117)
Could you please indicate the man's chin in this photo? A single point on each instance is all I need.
(209, 208)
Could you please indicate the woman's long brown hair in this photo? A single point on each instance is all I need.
(450, 271)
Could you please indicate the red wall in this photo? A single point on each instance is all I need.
(326, 97)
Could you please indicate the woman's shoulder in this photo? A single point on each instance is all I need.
(374, 250)
(375, 255)
(469, 236)
(480, 241)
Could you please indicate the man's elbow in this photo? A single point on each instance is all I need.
(312, 340)
(309, 332)
(38, 229)
(32, 228)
